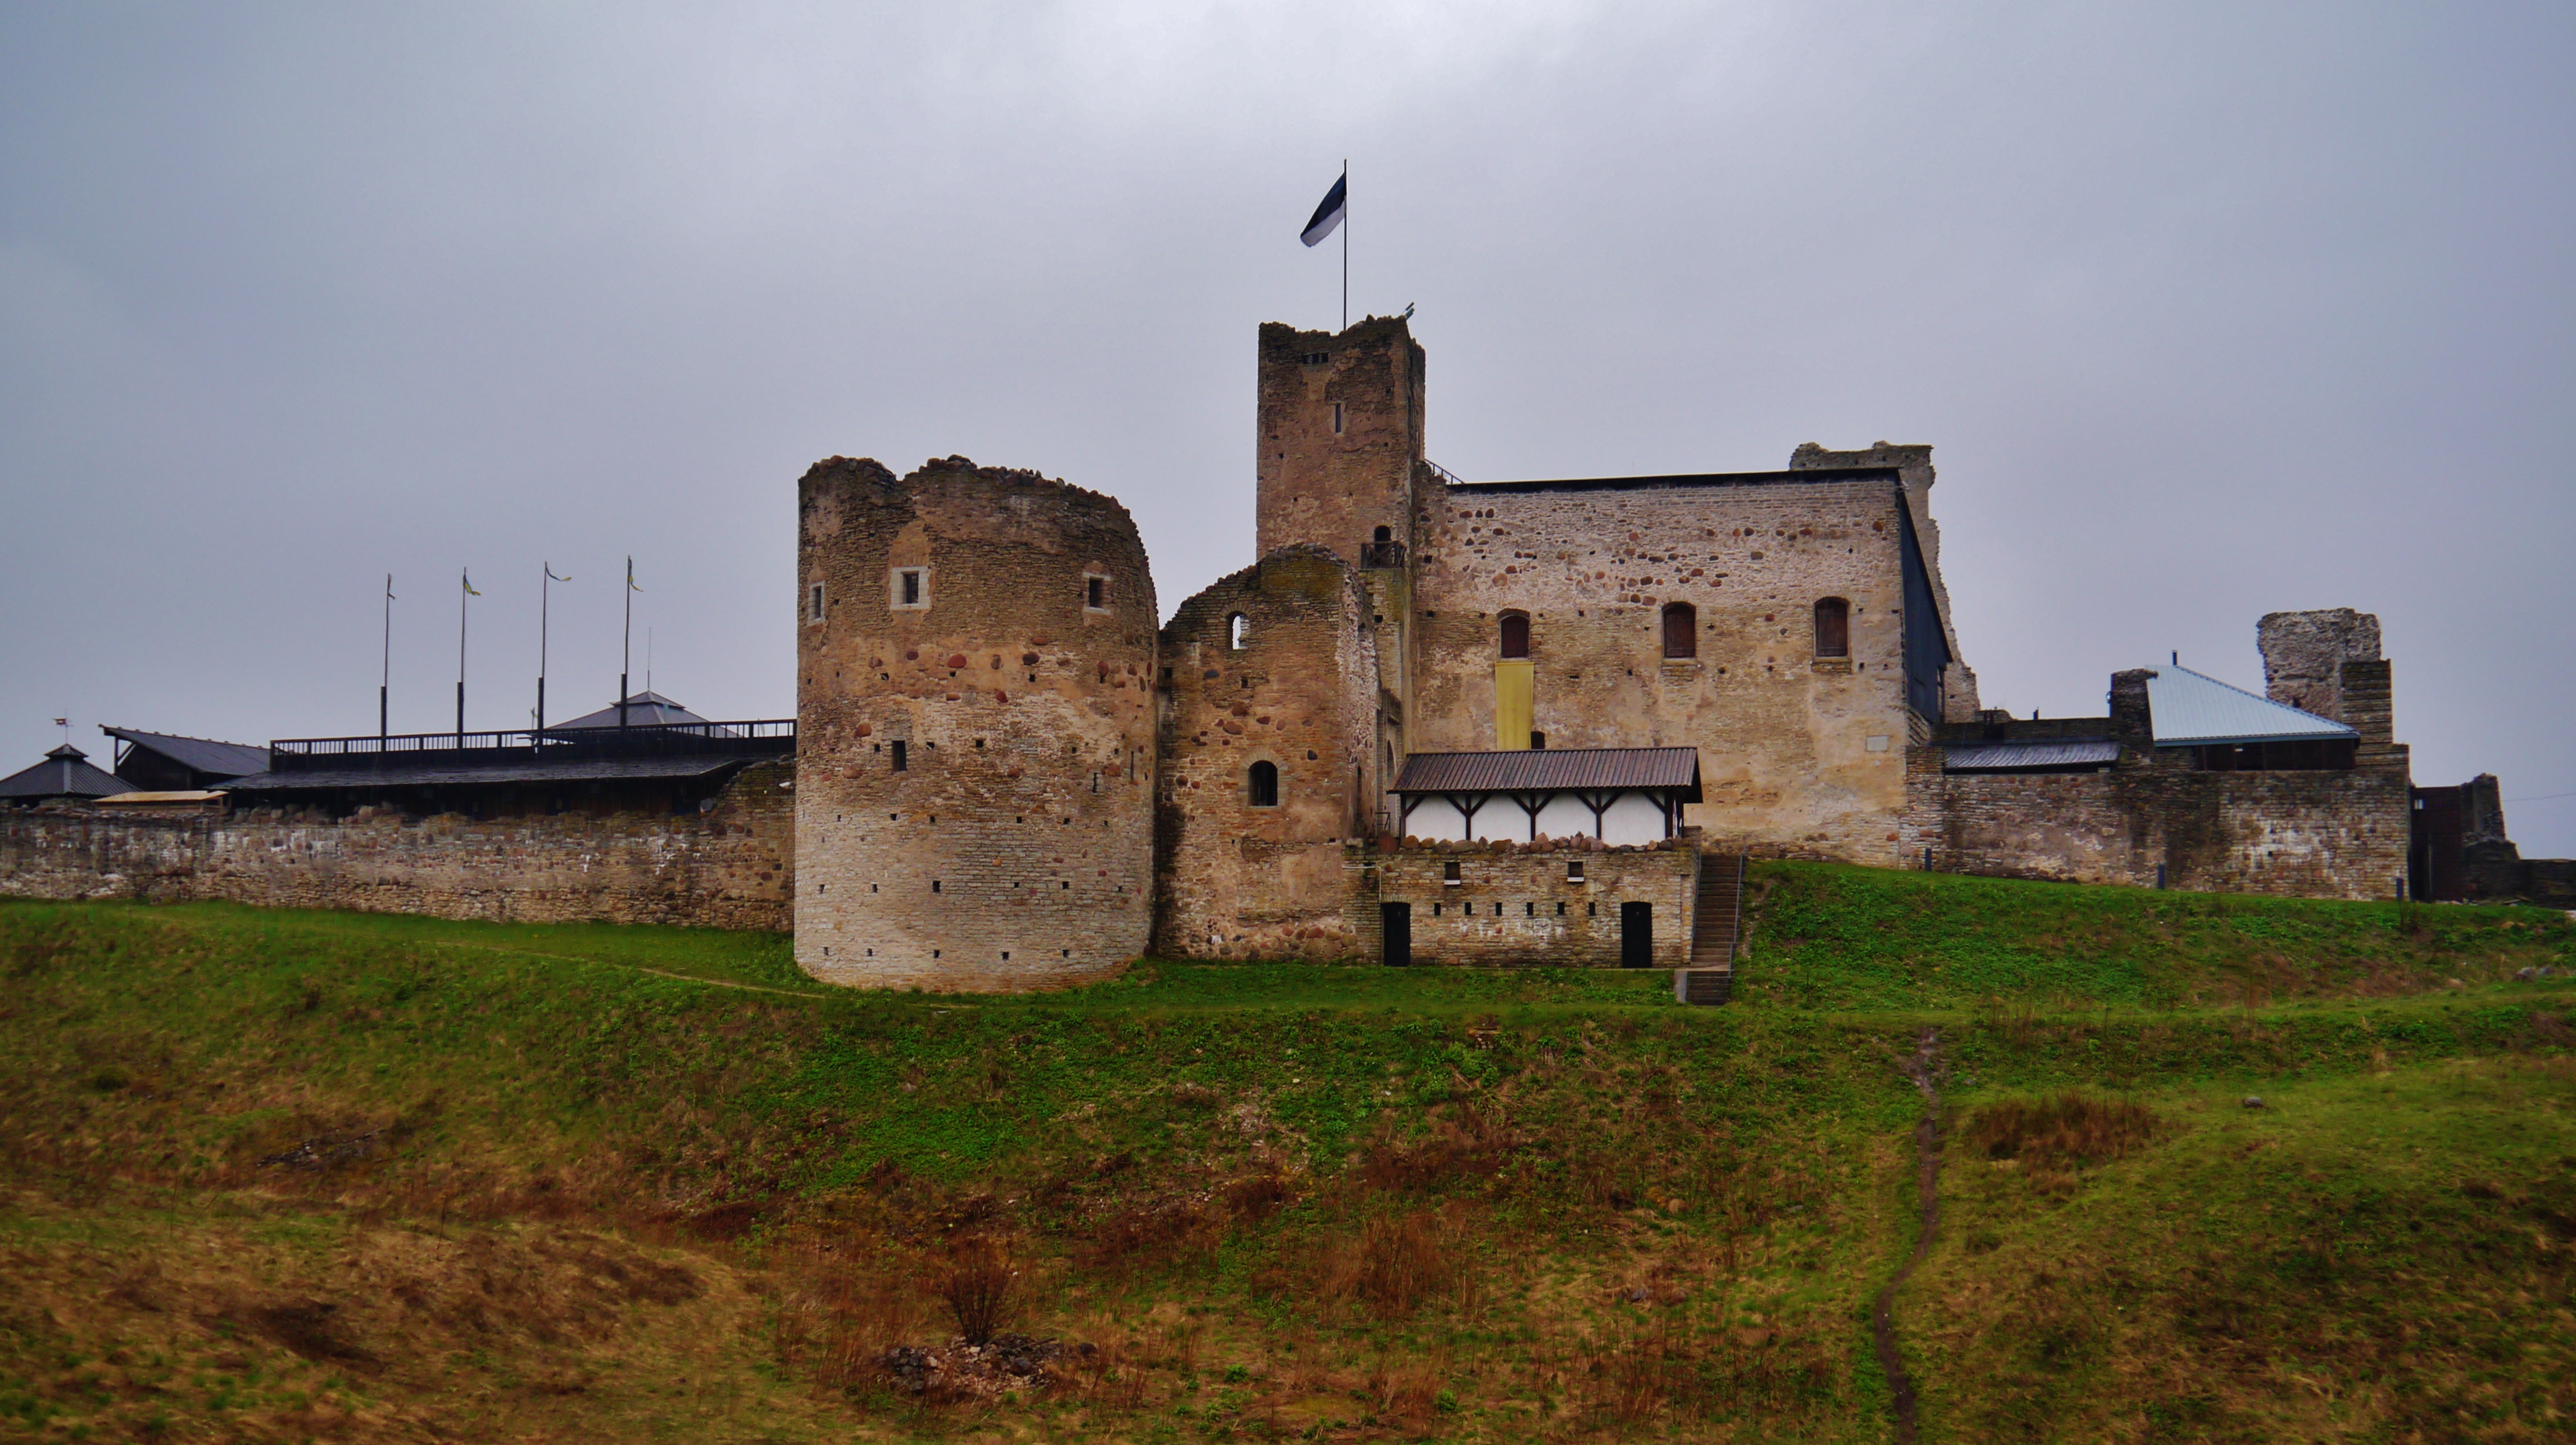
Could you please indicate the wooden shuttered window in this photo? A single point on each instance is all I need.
(1833, 628)
(1681, 630)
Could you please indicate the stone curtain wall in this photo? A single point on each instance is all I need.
(731, 867)
(1514, 906)
(1799, 755)
(2294, 834)
(1015, 848)
(2302, 834)
(1235, 880)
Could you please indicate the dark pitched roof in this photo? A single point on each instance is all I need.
(2012, 757)
(202, 755)
(65, 773)
(643, 709)
(1540, 770)
(589, 770)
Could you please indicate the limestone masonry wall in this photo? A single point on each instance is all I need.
(731, 867)
(1234, 877)
(1515, 905)
(1011, 846)
(2322, 833)
(2304, 654)
(1799, 754)
(1333, 485)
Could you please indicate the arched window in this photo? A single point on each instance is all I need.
(1681, 630)
(1238, 630)
(1515, 634)
(1833, 627)
(1385, 534)
(1264, 780)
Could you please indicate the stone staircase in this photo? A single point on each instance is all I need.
(1710, 978)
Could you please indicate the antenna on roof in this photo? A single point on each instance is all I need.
(2177, 657)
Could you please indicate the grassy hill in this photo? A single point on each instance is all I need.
(272, 1175)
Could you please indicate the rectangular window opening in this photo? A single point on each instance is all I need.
(898, 750)
(1095, 593)
(814, 604)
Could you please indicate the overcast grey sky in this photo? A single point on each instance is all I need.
(2210, 310)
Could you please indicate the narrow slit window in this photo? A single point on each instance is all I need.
(1337, 418)
(1681, 631)
(908, 587)
(1515, 638)
(1238, 630)
(1833, 627)
(896, 748)
(814, 604)
(1264, 781)
(1095, 593)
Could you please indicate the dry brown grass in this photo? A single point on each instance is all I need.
(2074, 1128)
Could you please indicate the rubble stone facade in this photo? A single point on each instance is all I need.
(1269, 760)
(975, 728)
(1512, 906)
(732, 866)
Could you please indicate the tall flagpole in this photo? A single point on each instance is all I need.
(384, 681)
(626, 653)
(544, 602)
(465, 579)
(1346, 243)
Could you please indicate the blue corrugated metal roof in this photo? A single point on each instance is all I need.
(2188, 708)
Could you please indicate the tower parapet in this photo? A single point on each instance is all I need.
(975, 661)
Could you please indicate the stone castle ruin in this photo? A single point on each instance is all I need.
(1505, 722)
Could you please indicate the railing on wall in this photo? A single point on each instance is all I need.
(761, 737)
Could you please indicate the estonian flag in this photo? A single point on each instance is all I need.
(1328, 216)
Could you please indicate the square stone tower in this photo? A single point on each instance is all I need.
(1340, 429)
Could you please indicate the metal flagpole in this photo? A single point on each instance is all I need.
(384, 682)
(1346, 243)
(626, 654)
(544, 603)
(465, 579)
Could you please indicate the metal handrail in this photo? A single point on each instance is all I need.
(1735, 935)
(531, 741)
(1446, 475)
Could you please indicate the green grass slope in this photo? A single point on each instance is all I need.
(274, 1175)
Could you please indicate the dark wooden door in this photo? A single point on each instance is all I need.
(1636, 935)
(1396, 921)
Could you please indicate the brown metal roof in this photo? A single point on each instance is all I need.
(1540, 770)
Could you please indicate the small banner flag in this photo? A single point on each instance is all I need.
(630, 574)
(1328, 216)
(467, 578)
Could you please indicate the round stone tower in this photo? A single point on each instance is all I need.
(975, 729)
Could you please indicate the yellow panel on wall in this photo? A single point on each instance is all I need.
(1514, 688)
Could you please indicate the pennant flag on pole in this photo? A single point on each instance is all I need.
(468, 579)
(1328, 216)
